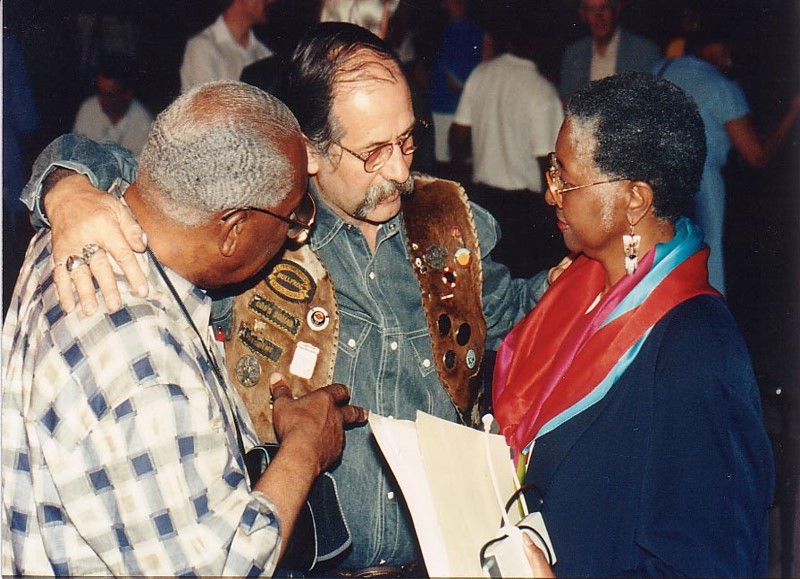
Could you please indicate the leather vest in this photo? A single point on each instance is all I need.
(289, 323)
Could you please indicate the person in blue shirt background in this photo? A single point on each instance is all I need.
(728, 123)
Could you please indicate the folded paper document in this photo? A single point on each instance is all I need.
(444, 473)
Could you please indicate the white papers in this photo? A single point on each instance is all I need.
(444, 473)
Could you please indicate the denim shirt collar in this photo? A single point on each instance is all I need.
(328, 223)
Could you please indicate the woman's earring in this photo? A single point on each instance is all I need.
(631, 243)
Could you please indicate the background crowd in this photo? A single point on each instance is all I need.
(64, 46)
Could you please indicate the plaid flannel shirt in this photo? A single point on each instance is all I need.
(119, 455)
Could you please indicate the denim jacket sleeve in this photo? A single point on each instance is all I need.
(102, 163)
(505, 300)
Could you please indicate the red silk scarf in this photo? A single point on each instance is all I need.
(559, 353)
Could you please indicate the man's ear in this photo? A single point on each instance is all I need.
(230, 231)
(313, 157)
(640, 202)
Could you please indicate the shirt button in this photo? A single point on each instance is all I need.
(372, 275)
(390, 495)
(393, 345)
(351, 342)
(426, 363)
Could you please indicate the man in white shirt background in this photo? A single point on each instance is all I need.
(114, 114)
(509, 115)
(609, 48)
(222, 50)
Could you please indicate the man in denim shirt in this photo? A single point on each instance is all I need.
(354, 107)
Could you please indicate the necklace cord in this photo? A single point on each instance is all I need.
(211, 360)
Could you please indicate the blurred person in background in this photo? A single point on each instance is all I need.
(508, 119)
(223, 49)
(464, 44)
(114, 114)
(702, 73)
(609, 48)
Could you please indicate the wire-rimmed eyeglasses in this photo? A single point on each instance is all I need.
(376, 158)
(300, 220)
(557, 186)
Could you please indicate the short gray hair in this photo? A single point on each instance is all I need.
(220, 145)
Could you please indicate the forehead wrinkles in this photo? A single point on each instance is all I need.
(362, 71)
(364, 66)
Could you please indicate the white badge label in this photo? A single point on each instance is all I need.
(304, 360)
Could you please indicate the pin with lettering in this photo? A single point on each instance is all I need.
(318, 319)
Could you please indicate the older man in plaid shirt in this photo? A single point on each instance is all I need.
(121, 443)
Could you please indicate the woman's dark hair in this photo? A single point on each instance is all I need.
(645, 129)
(322, 58)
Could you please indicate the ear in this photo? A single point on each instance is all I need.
(229, 233)
(640, 202)
(313, 157)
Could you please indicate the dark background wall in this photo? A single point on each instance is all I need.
(59, 40)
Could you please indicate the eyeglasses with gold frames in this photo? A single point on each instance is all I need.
(376, 158)
(300, 220)
(557, 186)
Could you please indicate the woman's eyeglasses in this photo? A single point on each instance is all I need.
(557, 186)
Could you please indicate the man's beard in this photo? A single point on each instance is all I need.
(380, 192)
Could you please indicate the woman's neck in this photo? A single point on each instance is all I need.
(652, 232)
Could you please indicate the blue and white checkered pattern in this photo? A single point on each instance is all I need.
(119, 454)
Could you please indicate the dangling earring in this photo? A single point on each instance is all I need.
(631, 243)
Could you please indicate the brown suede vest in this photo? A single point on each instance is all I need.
(289, 321)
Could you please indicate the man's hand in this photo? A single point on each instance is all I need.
(81, 215)
(310, 429)
(313, 424)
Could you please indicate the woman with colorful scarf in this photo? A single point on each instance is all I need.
(628, 391)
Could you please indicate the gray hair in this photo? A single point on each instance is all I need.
(218, 146)
(642, 128)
